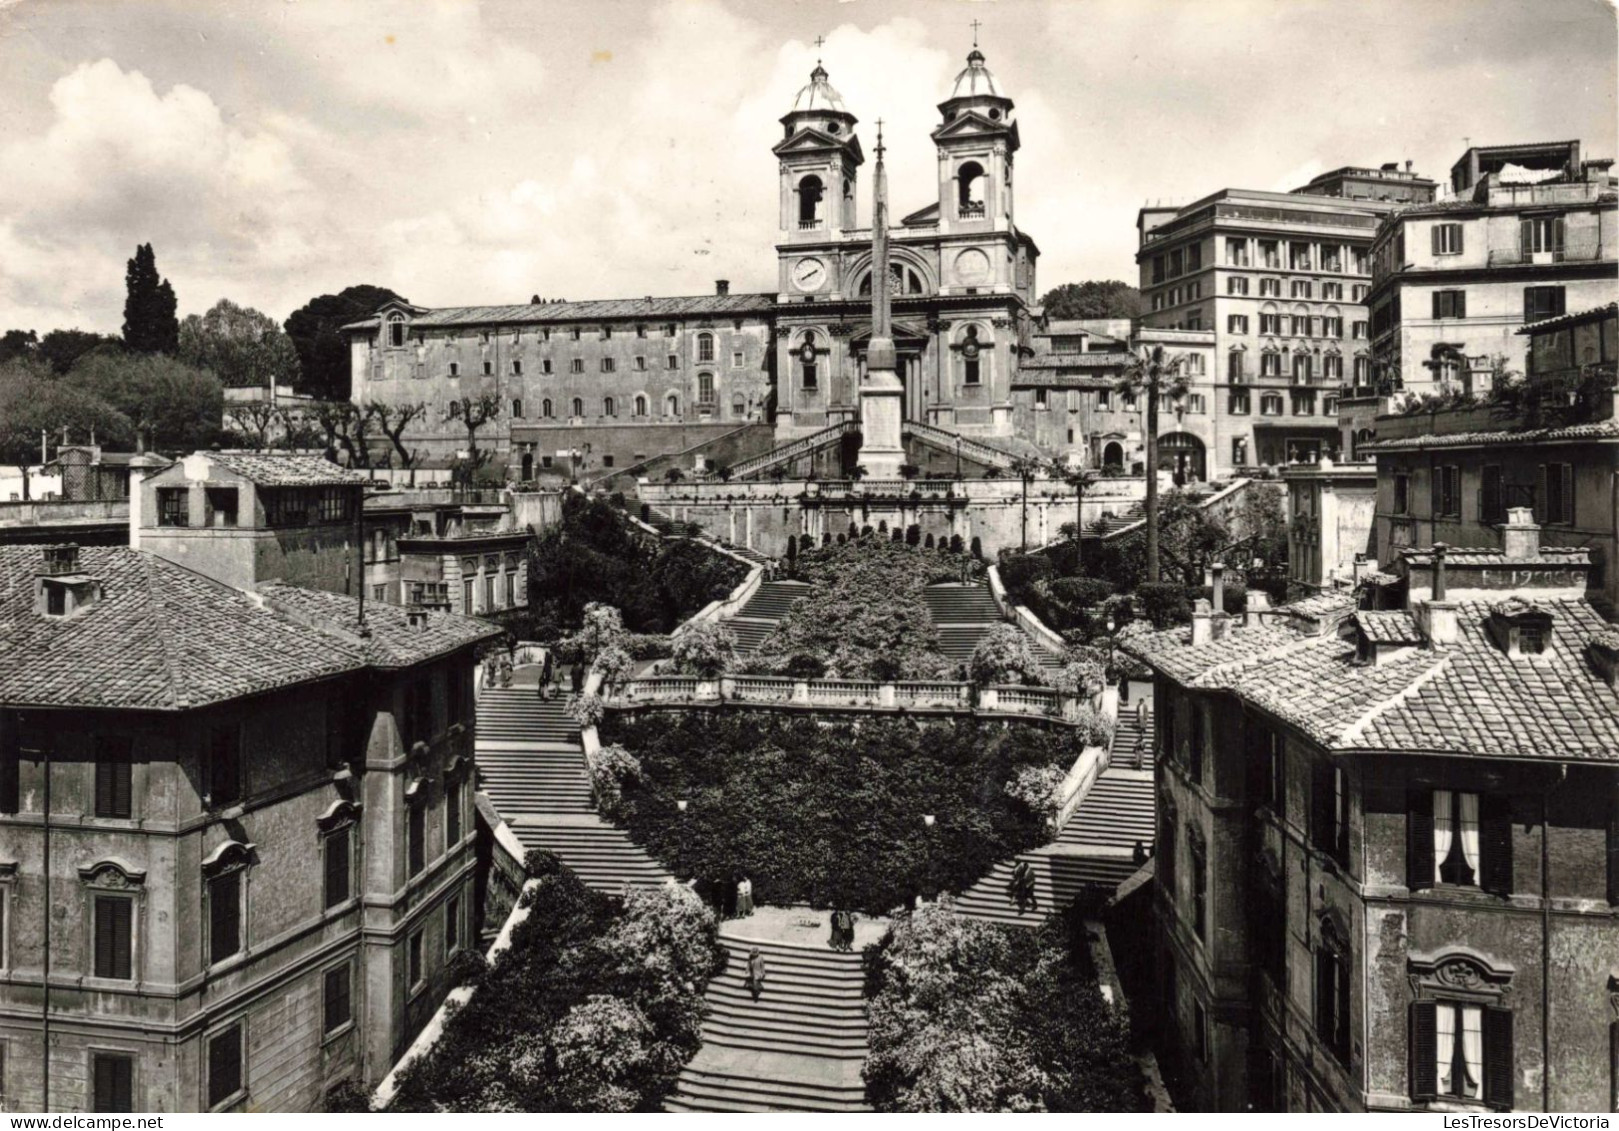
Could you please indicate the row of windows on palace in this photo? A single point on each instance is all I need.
(1538, 303)
(1242, 251)
(399, 334)
(1239, 285)
(640, 405)
(1539, 235)
(577, 365)
(1461, 1049)
(1239, 402)
(1551, 498)
(112, 914)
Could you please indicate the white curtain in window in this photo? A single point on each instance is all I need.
(1467, 818)
(1472, 1046)
(1442, 828)
(1445, 1045)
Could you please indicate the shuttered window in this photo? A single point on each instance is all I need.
(338, 846)
(224, 915)
(413, 960)
(1461, 1050)
(112, 1082)
(225, 766)
(452, 925)
(1460, 839)
(1556, 494)
(1542, 302)
(114, 921)
(416, 838)
(1447, 490)
(1332, 1002)
(1329, 811)
(1450, 304)
(336, 1005)
(453, 795)
(1447, 239)
(114, 768)
(224, 1065)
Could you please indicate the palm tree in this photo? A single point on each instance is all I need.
(1025, 468)
(858, 472)
(1152, 372)
(1080, 479)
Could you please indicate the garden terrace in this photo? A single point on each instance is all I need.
(806, 806)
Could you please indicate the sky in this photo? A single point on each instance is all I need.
(466, 153)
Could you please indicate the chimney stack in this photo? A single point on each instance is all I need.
(1255, 605)
(62, 559)
(1439, 549)
(1202, 623)
(1218, 570)
(1520, 537)
(1437, 616)
(722, 286)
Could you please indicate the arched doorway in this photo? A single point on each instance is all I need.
(1113, 454)
(528, 467)
(1181, 453)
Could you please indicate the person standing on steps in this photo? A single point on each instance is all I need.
(756, 973)
(547, 674)
(744, 898)
(1023, 893)
(578, 676)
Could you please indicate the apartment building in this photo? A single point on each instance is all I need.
(1281, 280)
(236, 834)
(1387, 873)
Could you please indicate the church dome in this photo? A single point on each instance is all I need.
(819, 97)
(976, 81)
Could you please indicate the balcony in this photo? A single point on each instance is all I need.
(971, 210)
(808, 225)
(1517, 256)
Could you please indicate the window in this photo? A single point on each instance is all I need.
(1301, 368)
(669, 329)
(1270, 323)
(1332, 292)
(1329, 803)
(605, 333)
(1301, 288)
(1234, 367)
(1236, 251)
(224, 766)
(1542, 302)
(222, 506)
(578, 407)
(1304, 402)
(672, 362)
(640, 404)
(1461, 1050)
(337, 1008)
(609, 407)
(1200, 886)
(577, 365)
(488, 369)
(1332, 326)
(1239, 403)
(112, 1082)
(1104, 400)
(1447, 491)
(640, 329)
(1237, 285)
(1196, 403)
(1200, 1032)
(705, 347)
(517, 409)
(396, 330)
(1329, 406)
(1194, 257)
(419, 701)
(452, 925)
(1359, 292)
(1447, 239)
(705, 388)
(224, 1065)
(414, 970)
(573, 333)
(114, 770)
(114, 946)
(1237, 324)
(1332, 367)
(453, 803)
(416, 839)
(545, 408)
(1542, 235)
(224, 915)
(1402, 494)
(609, 365)
(1363, 369)
(517, 368)
(1459, 838)
(671, 405)
(455, 369)
(1270, 404)
(1270, 288)
(1450, 304)
(1269, 254)
(1557, 489)
(738, 359)
(1301, 325)
(172, 506)
(338, 846)
(640, 363)
(1332, 995)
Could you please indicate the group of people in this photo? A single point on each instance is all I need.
(551, 676)
(1021, 887)
(730, 899)
(842, 931)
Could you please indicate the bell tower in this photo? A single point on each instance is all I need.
(820, 157)
(976, 140)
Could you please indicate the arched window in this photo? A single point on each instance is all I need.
(671, 405)
(517, 408)
(810, 193)
(705, 347)
(640, 404)
(970, 190)
(528, 466)
(705, 388)
(902, 280)
(545, 408)
(1301, 368)
(809, 369)
(608, 407)
(971, 363)
(739, 407)
(578, 407)
(396, 329)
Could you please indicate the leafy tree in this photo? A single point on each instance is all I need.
(1154, 371)
(1193, 536)
(33, 405)
(1005, 655)
(177, 407)
(1110, 299)
(150, 325)
(242, 347)
(392, 420)
(255, 424)
(64, 347)
(17, 343)
(1261, 518)
(474, 412)
(323, 349)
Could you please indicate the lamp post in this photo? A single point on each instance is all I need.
(680, 860)
(927, 854)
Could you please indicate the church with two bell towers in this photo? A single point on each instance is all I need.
(960, 274)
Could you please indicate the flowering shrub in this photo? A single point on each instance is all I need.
(610, 767)
(970, 1017)
(1005, 655)
(591, 1009)
(613, 663)
(1079, 677)
(587, 710)
(603, 628)
(705, 648)
(1091, 727)
(1035, 787)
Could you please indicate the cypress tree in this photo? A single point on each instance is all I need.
(150, 321)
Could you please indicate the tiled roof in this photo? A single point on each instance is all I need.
(1601, 430)
(1093, 360)
(1328, 603)
(392, 641)
(594, 309)
(1481, 556)
(164, 638)
(271, 469)
(1394, 626)
(1568, 319)
(1469, 698)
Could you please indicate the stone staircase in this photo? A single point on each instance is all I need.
(1110, 524)
(963, 615)
(764, 610)
(532, 767)
(800, 1047)
(792, 450)
(1059, 878)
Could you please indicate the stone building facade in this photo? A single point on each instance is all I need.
(236, 847)
(1388, 845)
(1331, 537)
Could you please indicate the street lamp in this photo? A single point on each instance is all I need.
(680, 861)
(927, 856)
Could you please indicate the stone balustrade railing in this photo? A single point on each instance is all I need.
(942, 697)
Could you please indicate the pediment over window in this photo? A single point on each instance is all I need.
(111, 872)
(338, 814)
(228, 856)
(1458, 970)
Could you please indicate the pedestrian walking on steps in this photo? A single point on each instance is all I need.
(578, 677)
(1023, 893)
(744, 898)
(843, 921)
(836, 939)
(756, 973)
(547, 674)
(726, 895)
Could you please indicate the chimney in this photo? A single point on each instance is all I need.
(416, 617)
(1202, 623)
(1218, 570)
(1439, 549)
(722, 286)
(1520, 537)
(1255, 606)
(1437, 616)
(62, 559)
(1603, 650)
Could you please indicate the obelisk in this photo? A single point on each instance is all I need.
(881, 451)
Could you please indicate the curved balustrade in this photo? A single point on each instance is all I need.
(939, 696)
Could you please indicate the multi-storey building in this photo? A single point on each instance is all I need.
(1387, 873)
(1552, 446)
(1281, 281)
(1330, 529)
(236, 834)
(1528, 233)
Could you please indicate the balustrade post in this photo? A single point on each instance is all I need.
(727, 687)
(885, 695)
(989, 699)
(801, 691)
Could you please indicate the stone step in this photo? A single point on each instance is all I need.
(719, 1091)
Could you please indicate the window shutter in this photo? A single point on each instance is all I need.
(1495, 843)
(1419, 861)
(1557, 235)
(1435, 233)
(1321, 831)
(1438, 296)
(1460, 241)
(1566, 499)
(1540, 495)
(1526, 236)
(1613, 861)
(337, 868)
(1435, 477)
(1325, 987)
(1424, 1044)
(1460, 301)
(1498, 1057)
(112, 929)
(225, 916)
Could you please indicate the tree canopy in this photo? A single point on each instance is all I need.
(150, 325)
(33, 402)
(316, 332)
(1092, 299)
(241, 346)
(179, 406)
